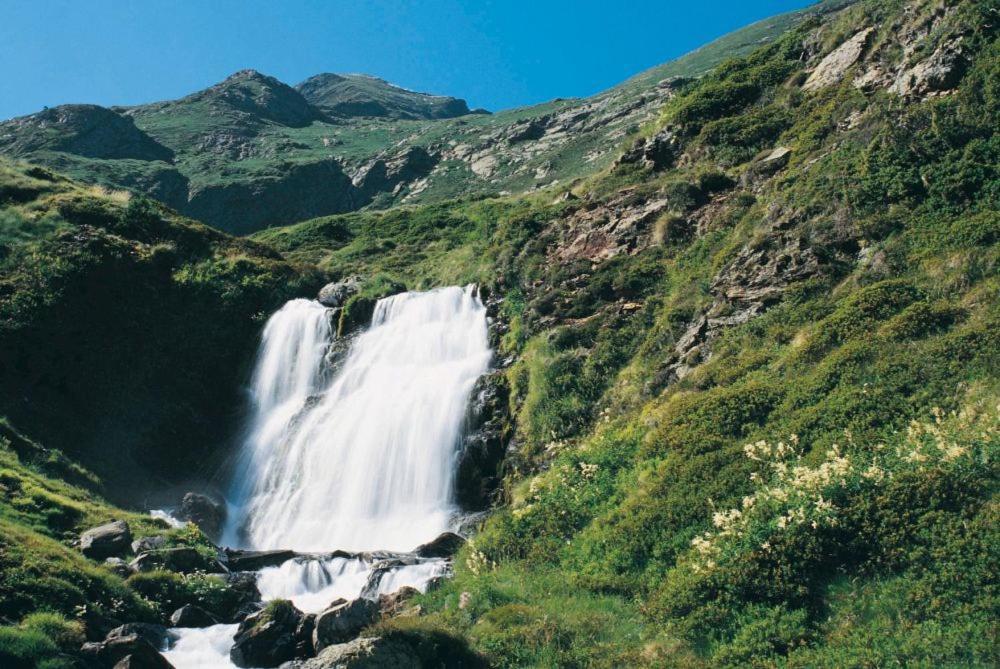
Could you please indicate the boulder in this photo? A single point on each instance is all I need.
(444, 546)
(208, 514)
(243, 590)
(369, 652)
(336, 294)
(146, 544)
(304, 636)
(132, 649)
(343, 622)
(155, 635)
(267, 638)
(941, 71)
(766, 164)
(106, 541)
(190, 615)
(118, 566)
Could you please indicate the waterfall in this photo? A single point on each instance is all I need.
(363, 458)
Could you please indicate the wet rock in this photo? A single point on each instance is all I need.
(488, 429)
(267, 638)
(836, 63)
(208, 514)
(240, 560)
(133, 649)
(343, 622)
(304, 636)
(444, 545)
(156, 635)
(243, 589)
(190, 615)
(336, 294)
(106, 541)
(183, 559)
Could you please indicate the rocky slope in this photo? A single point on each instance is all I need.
(252, 152)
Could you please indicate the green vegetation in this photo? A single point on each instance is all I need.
(755, 405)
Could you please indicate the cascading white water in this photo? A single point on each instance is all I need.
(360, 459)
(365, 459)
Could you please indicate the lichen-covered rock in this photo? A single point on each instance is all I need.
(106, 541)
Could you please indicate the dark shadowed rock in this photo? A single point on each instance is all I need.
(106, 541)
(137, 650)
(656, 153)
(208, 514)
(443, 546)
(156, 635)
(304, 636)
(190, 615)
(343, 622)
(488, 429)
(240, 560)
(118, 566)
(267, 638)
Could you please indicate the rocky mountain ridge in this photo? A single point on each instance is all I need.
(232, 154)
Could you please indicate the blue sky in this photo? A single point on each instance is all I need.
(496, 54)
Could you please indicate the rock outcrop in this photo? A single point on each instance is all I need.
(488, 430)
(834, 66)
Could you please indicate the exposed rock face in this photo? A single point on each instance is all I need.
(488, 430)
(832, 68)
(106, 541)
(941, 71)
(367, 653)
(208, 514)
(388, 173)
(343, 622)
(190, 615)
(443, 546)
(146, 544)
(336, 294)
(621, 225)
(135, 650)
(266, 639)
(766, 165)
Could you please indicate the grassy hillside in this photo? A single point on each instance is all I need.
(753, 364)
(125, 331)
(756, 400)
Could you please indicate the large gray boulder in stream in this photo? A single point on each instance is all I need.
(267, 638)
(131, 650)
(208, 514)
(343, 621)
(106, 541)
(365, 653)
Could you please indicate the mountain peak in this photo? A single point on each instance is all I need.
(349, 95)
